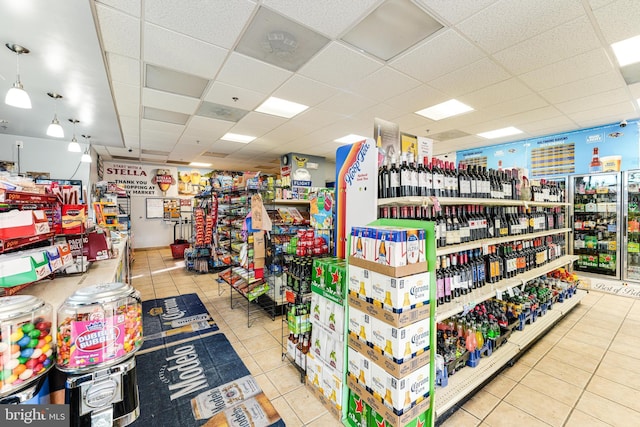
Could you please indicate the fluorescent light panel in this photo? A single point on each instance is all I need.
(499, 133)
(627, 51)
(281, 107)
(235, 137)
(200, 165)
(445, 109)
(350, 139)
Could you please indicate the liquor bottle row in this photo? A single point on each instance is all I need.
(441, 179)
(462, 224)
(459, 273)
(548, 191)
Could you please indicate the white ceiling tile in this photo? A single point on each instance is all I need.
(243, 71)
(454, 11)
(543, 125)
(288, 132)
(603, 115)
(179, 52)
(589, 86)
(152, 142)
(162, 127)
(120, 32)
(221, 93)
(384, 84)
(257, 124)
(131, 7)
(515, 106)
(216, 22)
(124, 69)
(559, 43)
(329, 17)
(635, 90)
(410, 121)
(544, 113)
(382, 111)
(517, 20)
(340, 66)
(120, 151)
(186, 152)
(470, 78)
(127, 98)
(569, 70)
(206, 129)
(226, 147)
(304, 91)
(416, 99)
(598, 100)
(494, 94)
(315, 118)
(169, 101)
(619, 20)
(597, 4)
(130, 124)
(447, 51)
(347, 104)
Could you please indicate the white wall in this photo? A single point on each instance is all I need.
(45, 155)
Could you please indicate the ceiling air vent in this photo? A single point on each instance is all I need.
(177, 162)
(155, 152)
(214, 154)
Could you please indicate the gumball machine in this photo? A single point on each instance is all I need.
(26, 350)
(99, 329)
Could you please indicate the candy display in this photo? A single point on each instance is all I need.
(26, 348)
(98, 325)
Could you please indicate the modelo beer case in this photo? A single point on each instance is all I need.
(26, 348)
(99, 331)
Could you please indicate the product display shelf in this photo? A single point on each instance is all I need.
(13, 244)
(451, 201)
(490, 290)
(468, 380)
(476, 244)
(291, 202)
(295, 298)
(76, 244)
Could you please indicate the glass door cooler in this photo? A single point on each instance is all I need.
(596, 211)
(631, 221)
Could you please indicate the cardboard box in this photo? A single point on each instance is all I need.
(16, 270)
(335, 354)
(16, 223)
(40, 222)
(74, 218)
(318, 309)
(314, 370)
(358, 412)
(391, 247)
(400, 344)
(359, 282)
(392, 367)
(362, 243)
(53, 255)
(378, 420)
(399, 320)
(406, 270)
(319, 344)
(359, 366)
(399, 294)
(416, 245)
(359, 324)
(65, 254)
(400, 394)
(328, 405)
(335, 318)
(332, 387)
(40, 263)
(336, 277)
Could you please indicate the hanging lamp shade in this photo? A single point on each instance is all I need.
(17, 96)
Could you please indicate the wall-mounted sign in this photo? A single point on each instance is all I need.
(140, 179)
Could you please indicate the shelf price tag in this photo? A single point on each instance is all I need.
(485, 249)
(467, 308)
(499, 295)
(436, 203)
(510, 292)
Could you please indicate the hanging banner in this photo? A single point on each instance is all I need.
(142, 180)
(425, 149)
(387, 140)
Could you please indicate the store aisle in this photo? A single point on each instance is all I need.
(583, 373)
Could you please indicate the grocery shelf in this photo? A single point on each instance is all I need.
(490, 289)
(287, 202)
(445, 250)
(448, 201)
(468, 380)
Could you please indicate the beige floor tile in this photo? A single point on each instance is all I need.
(596, 331)
(616, 392)
(517, 371)
(551, 386)
(306, 406)
(164, 284)
(586, 363)
(267, 386)
(287, 414)
(245, 333)
(539, 405)
(591, 298)
(621, 344)
(563, 371)
(239, 348)
(630, 328)
(166, 292)
(607, 411)
(251, 365)
(461, 418)
(481, 404)
(581, 348)
(506, 415)
(500, 386)
(286, 378)
(325, 420)
(588, 338)
(270, 359)
(617, 360)
(580, 419)
(601, 321)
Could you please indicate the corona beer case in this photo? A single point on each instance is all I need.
(399, 294)
(400, 344)
(360, 282)
(359, 324)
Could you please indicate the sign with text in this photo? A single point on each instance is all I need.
(142, 180)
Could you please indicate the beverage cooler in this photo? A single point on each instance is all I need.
(631, 223)
(596, 212)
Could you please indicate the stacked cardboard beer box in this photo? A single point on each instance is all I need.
(325, 359)
(389, 327)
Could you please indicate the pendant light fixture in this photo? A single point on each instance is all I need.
(86, 157)
(73, 146)
(17, 96)
(54, 129)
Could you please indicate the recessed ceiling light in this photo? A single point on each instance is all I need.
(245, 139)
(499, 133)
(200, 165)
(627, 51)
(281, 107)
(445, 109)
(350, 139)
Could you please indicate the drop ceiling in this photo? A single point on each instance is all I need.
(165, 80)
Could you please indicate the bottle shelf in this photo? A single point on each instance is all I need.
(491, 289)
(287, 202)
(468, 380)
(451, 201)
(445, 250)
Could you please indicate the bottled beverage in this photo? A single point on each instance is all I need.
(384, 185)
(405, 178)
(394, 179)
(464, 186)
(596, 165)
(413, 175)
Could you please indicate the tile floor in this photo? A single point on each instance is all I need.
(583, 373)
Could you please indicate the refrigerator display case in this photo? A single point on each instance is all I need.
(596, 206)
(631, 223)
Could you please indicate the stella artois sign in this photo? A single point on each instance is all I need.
(164, 180)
